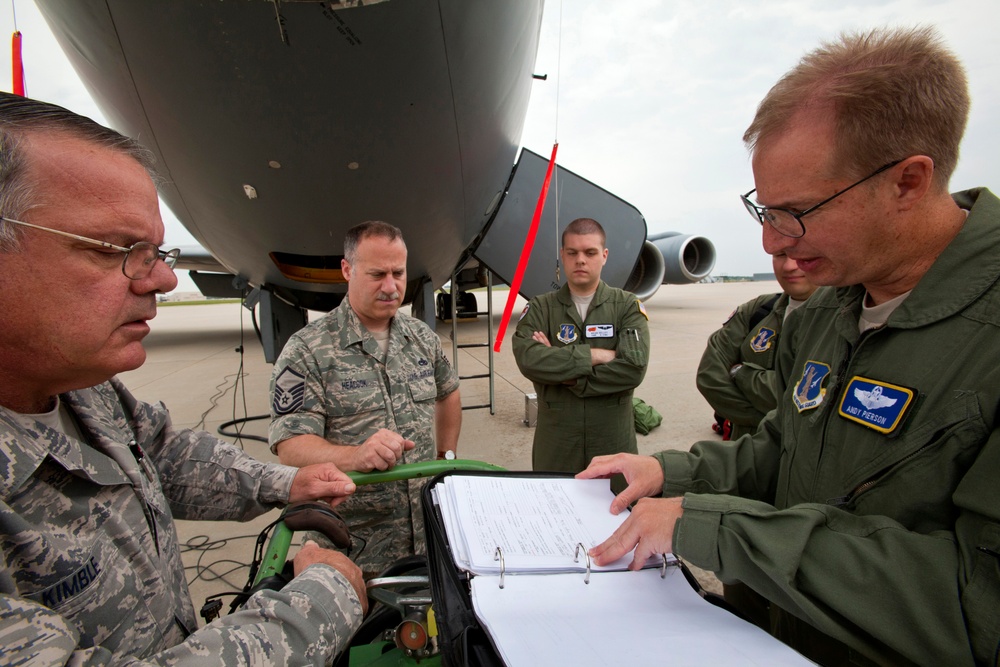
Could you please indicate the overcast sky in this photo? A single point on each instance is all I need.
(649, 99)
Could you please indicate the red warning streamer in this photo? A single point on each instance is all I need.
(529, 243)
(18, 66)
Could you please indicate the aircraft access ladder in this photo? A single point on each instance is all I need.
(455, 291)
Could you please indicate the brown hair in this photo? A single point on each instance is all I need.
(366, 229)
(582, 226)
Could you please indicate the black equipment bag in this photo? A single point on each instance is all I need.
(462, 641)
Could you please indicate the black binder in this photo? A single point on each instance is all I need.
(461, 639)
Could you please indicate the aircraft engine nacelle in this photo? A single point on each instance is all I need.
(670, 258)
(686, 258)
(647, 276)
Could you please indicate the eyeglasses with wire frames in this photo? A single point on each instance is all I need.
(788, 222)
(139, 260)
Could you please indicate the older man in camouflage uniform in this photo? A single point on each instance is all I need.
(366, 387)
(90, 569)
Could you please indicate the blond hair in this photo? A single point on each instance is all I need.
(892, 93)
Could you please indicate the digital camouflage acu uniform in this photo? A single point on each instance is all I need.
(330, 381)
(91, 571)
(594, 416)
(743, 397)
(867, 507)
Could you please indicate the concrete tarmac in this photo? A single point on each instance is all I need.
(195, 367)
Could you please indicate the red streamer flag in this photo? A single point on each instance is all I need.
(18, 66)
(529, 243)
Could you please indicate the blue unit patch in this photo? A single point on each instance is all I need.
(567, 333)
(762, 341)
(289, 392)
(809, 392)
(875, 404)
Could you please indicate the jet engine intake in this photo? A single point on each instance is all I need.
(647, 276)
(687, 258)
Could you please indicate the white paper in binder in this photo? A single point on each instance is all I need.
(539, 611)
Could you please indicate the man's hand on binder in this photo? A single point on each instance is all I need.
(643, 474)
(649, 529)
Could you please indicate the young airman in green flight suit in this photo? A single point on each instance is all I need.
(585, 347)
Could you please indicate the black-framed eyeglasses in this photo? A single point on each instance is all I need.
(139, 260)
(788, 222)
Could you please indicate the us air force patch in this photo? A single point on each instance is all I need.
(762, 341)
(567, 333)
(599, 331)
(524, 312)
(809, 392)
(877, 405)
(289, 391)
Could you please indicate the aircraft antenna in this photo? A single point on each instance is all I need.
(529, 243)
(555, 138)
(17, 65)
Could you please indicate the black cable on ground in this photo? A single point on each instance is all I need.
(237, 434)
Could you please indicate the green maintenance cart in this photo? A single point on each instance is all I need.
(403, 626)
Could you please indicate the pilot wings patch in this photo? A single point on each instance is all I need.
(875, 404)
(874, 399)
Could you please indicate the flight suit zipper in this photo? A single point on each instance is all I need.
(834, 390)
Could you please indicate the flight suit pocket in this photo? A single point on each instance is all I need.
(913, 479)
(97, 593)
(631, 348)
(981, 597)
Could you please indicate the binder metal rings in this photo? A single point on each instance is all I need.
(498, 555)
(576, 559)
(667, 563)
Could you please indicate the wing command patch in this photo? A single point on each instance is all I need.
(809, 392)
(567, 333)
(762, 340)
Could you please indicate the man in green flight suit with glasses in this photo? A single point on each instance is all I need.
(865, 509)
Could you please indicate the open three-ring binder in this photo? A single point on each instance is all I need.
(513, 584)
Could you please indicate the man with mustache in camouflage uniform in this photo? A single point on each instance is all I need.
(366, 387)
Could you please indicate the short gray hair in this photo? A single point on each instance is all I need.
(20, 116)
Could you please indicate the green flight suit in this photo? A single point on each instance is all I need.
(743, 397)
(874, 532)
(593, 416)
